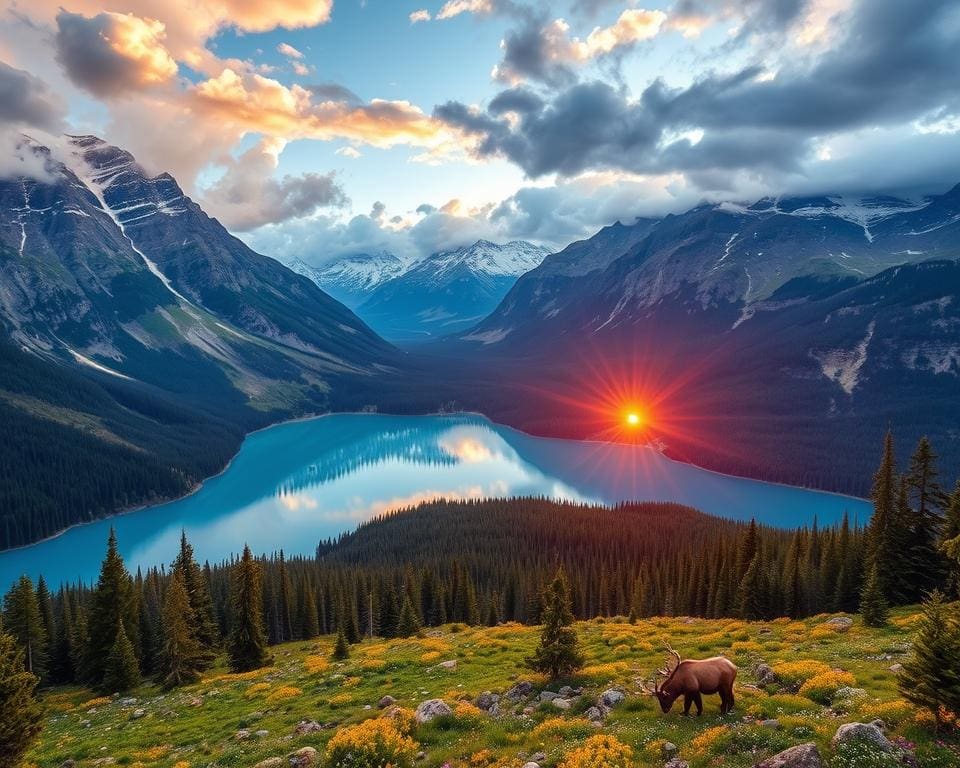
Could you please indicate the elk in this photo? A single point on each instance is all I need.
(691, 679)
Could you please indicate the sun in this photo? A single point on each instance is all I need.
(634, 419)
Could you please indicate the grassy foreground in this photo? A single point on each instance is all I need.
(239, 720)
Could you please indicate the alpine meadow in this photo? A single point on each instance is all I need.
(480, 384)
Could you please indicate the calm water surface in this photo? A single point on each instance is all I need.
(292, 485)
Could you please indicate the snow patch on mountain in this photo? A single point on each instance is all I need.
(843, 365)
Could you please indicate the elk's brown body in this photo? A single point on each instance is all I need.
(694, 678)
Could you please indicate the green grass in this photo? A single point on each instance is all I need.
(197, 726)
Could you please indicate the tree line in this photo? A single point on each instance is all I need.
(484, 562)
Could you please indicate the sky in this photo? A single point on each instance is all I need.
(320, 128)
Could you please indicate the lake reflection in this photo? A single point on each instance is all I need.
(298, 483)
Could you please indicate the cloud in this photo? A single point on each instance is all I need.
(248, 196)
(892, 63)
(26, 100)
(350, 152)
(453, 8)
(546, 51)
(113, 53)
(285, 49)
(255, 103)
(418, 16)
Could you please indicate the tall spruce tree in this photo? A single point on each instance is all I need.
(61, 656)
(873, 603)
(557, 653)
(341, 649)
(204, 624)
(121, 670)
(23, 619)
(112, 605)
(931, 676)
(925, 521)
(183, 657)
(21, 717)
(950, 540)
(408, 624)
(247, 644)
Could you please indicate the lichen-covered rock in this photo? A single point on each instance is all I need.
(594, 714)
(270, 762)
(519, 691)
(668, 750)
(304, 758)
(764, 674)
(449, 665)
(839, 623)
(487, 701)
(610, 698)
(430, 709)
(386, 701)
(801, 756)
(561, 703)
(676, 762)
(307, 726)
(869, 733)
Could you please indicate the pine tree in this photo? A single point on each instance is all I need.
(879, 546)
(183, 657)
(61, 658)
(22, 619)
(45, 603)
(408, 624)
(927, 500)
(204, 624)
(112, 604)
(21, 717)
(951, 534)
(873, 604)
(341, 650)
(121, 672)
(79, 642)
(931, 677)
(247, 645)
(285, 608)
(309, 618)
(753, 595)
(558, 653)
(747, 550)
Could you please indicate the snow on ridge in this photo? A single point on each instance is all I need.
(843, 365)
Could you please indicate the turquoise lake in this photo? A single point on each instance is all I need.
(295, 484)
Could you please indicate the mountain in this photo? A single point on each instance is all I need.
(147, 335)
(824, 319)
(351, 279)
(448, 291)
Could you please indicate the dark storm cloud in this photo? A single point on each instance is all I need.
(526, 55)
(25, 100)
(895, 63)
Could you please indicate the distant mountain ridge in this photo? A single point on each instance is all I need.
(351, 279)
(449, 290)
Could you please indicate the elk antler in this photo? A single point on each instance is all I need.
(668, 670)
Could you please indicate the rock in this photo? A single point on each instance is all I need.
(547, 696)
(519, 691)
(594, 714)
(610, 698)
(386, 701)
(304, 757)
(538, 757)
(487, 701)
(764, 674)
(307, 726)
(566, 692)
(869, 733)
(801, 756)
(270, 762)
(839, 623)
(128, 702)
(68, 764)
(879, 723)
(261, 734)
(896, 668)
(668, 750)
(531, 764)
(676, 762)
(137, 714)
(449, 665)
(560, 703)
(430, 709)
(772, 724)
(421, 755)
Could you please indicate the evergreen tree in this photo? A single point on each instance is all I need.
(879, 544)
(753, 596)
(408, 624)
(747, 550)
(183, 657)
(925, 521)
(341, 650)
(558, 653)
(285, 608)
(112, 604)
(21, 717)
(79, 641)
(931, 677)
(61, 658)
(121, 672)
(247, 645)
(22, 618)
(309, 618)
(45, 603)
(951, 533)
(873, 604)
(203, 622)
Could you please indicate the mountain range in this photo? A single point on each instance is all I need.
(142, 340)
(429, 298)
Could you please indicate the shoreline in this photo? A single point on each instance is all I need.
(299, 419)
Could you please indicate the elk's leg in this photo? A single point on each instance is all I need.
(698, 700)
(687, 701)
